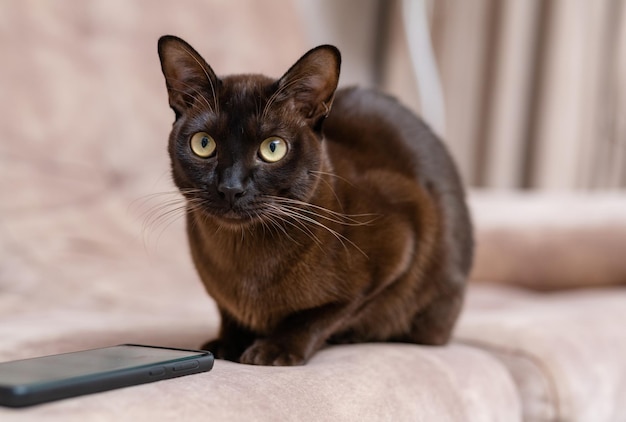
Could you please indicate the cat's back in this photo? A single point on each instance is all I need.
(371, 133)
(375, 131)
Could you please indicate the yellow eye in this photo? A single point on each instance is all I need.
(202, 144)
(273, 149)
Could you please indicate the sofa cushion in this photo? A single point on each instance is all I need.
(341, 383)
(565, 350)
(550, 241)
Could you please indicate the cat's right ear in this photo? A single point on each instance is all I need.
(309, 85)
(189, 79)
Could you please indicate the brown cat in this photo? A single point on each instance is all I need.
(310, 226)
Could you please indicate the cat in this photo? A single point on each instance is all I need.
(314, 215)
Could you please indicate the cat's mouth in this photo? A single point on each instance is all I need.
(234, 217)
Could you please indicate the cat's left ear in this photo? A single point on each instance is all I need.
(309, 85)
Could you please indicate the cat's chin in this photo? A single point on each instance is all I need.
(233, 219)
(230, 219)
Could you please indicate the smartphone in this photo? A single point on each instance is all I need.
(38, 380)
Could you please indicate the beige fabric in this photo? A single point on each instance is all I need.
(352, 383)
(547, 357)
(565, 350)
(550, 241)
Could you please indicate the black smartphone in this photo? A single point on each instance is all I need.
(38, 380)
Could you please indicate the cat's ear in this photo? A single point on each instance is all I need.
(188, 77)
(309, 85)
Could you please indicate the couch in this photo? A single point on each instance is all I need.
(81, 276)
(93, 253)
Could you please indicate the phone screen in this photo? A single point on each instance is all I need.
(35, 380)
(77, 364)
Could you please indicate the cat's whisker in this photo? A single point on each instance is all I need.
(276, 94)
(296, 208)
(157, 217)
(320, 177)
(206, 73)
(201, 219)
(218, 229)
(334, 216)
(341, 220)
(147, 209)
(275, 219)
(243, 231)
(160, 220)
(302, 218)
(326, 173)
(298, 216)
(195, 91)
(139, 203)
(158, 214)
(168, 220)
(301, 226)
(257, 105)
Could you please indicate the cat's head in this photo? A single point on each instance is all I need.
(240, 143)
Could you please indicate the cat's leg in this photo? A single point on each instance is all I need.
(232, 341)
(433, 325)
(297, 337)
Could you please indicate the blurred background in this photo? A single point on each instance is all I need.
(534, 94)
(534, 91)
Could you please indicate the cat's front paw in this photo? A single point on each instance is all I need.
(265, 352)
(222, 350)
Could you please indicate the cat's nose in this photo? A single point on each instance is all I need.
(231, 192)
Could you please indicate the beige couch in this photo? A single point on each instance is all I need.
(79, 275)
(88, 258)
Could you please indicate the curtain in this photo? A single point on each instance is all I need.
(535, 91)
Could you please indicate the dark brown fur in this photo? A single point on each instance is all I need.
(382, 249)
